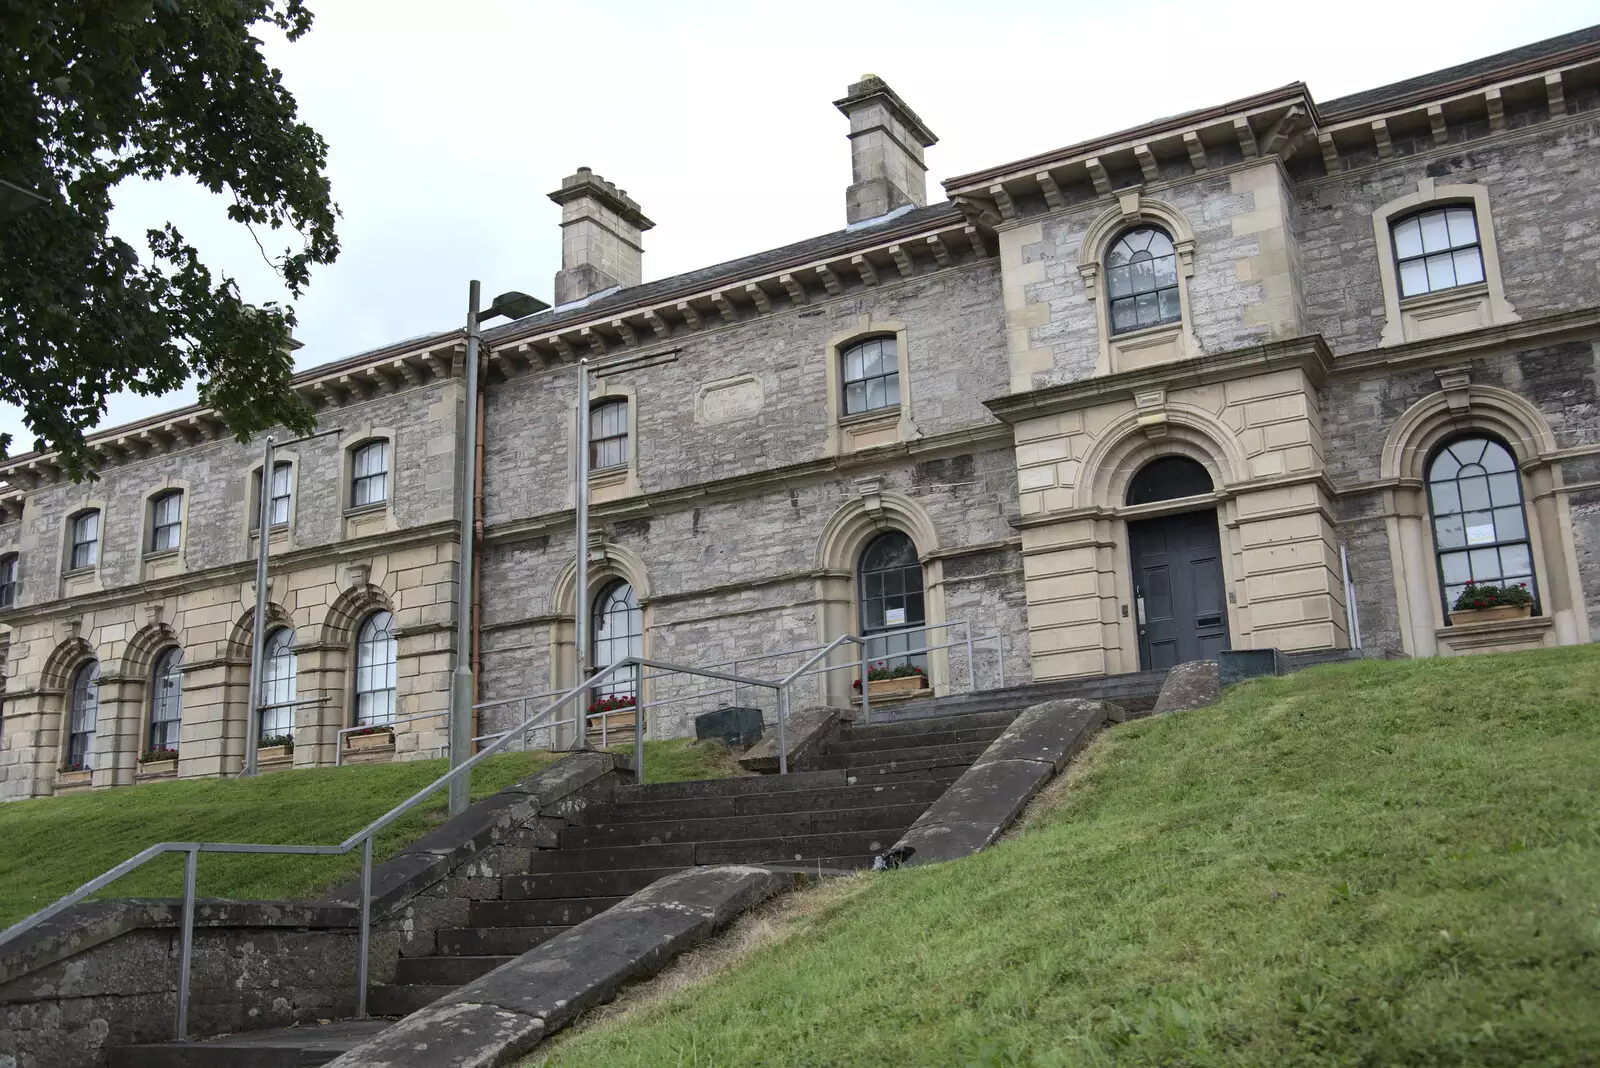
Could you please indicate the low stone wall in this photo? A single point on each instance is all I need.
(104, 973)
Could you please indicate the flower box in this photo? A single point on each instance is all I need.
(158, 769)
(270, 753)
(379, 739)
(1468, 616)
(74, 778)
(906, 684)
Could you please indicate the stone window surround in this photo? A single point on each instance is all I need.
(167, 561)
(1402, 319)
(1132, 210)
(352, 696)
(146, 699)
(607, 563)
(1461, 407)
(852, 433)
(358, 520)
(11, 551)
(280, 531)
(611, 483)
(84, 579)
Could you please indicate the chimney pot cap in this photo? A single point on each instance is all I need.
(872, 88)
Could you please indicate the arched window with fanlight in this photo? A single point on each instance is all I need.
(376, 659)
(166, 701)
(1142, 280)
(889, 588)
(82, 712)
(1169, 478)
(617, 626)
(279, 666)
(1480, 528)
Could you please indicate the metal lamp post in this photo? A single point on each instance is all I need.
(514, 305)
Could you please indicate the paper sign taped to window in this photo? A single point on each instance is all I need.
(1483, 535)
(894, 617)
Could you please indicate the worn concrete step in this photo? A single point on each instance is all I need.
(799, 849)
(278, 1047)
(761, 804)
(537, 911)
(439, 971)
(743, 784)
(966, 752)
(903, 770)
(1000, 718)
(610, 858)
(864, 742)
(583, 883)
(727, 828)
(494, 941)
(1133, 690)
(403, 999)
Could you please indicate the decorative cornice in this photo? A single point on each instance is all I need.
(1309, 354)
(1474, 344)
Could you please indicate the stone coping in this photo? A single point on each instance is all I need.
(499, 1017)
(990, 794)
(805, 731)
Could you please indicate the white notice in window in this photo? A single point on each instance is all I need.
(894, 617)
(1483, 535)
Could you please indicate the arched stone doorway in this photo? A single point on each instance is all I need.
(1180, 596)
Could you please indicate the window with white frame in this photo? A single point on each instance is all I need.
(279, 666)
(376, 657)
(83, 709)
(8, 580)
(166, 701)
(608, 434)
(166, 521)
(870, 375)
(282, 491)
(1480, 531)
(1436, 250)
(369, 474)
(85, 550)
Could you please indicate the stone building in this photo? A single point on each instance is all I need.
(1270, 373)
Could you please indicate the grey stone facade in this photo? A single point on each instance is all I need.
(1294, 372)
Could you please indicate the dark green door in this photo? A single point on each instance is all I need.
(1179, 600)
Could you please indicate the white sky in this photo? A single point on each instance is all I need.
(448, 123)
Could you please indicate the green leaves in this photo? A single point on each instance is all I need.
(96, 91)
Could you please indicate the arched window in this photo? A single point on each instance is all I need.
(84, 709)
(617, 626)
(369, 474)
(376, 657)
(1142, 280)
(889, 581)
(166, 700)
(278, 669)
(1480, 531)
(85, 540)
(166, 521)
(8, 580)
(870, 375)
(1168, 478)
(608, 433)
(1437, 249)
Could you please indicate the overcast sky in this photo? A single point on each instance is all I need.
(448, 123)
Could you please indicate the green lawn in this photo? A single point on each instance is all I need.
(54, 845)
(1371, 864)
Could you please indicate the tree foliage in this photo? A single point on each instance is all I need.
(93, 92)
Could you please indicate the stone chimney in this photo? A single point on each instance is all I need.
(886, 143)
(600, 237)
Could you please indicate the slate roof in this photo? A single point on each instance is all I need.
(798, 254)
(1397, 93)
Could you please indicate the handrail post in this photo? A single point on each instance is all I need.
(638, 737)
(734, 670)
(1000, 654)
(366, 928)
(972, 675)
(782, 708)
(866, 689)
(191, 861)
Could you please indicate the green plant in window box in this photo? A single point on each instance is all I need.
(1487, 603)
(158, 755)
(903, 678)
(276, 741)
(70, 768)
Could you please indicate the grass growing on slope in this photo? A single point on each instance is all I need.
(1369, 864)
(53, 845)
(680, 759)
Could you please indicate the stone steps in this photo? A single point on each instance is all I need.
(279, 1047)
(727, 828)
(922, 756)
(867, 740)
(495, 941)
(454, 969)
(743, 784)
(537, 911)
(920, 790)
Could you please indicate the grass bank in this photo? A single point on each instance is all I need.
(53, 845)
(1369, 864)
